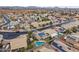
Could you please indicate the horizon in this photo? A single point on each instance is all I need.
(45, 6)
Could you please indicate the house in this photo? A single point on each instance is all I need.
(14, 44)
(60, 29)
(51, 32)
(60, 46)
(40, 24)
(12, 24)
(19, 42)
(72, 38)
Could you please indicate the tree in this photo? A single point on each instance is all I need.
(50, 22)
(45, 19)
(31, 26)
(67, 31)
(29, 34)
(49, 40)
(73, 29)
(28, 37)
(30, 46)
(78, 26)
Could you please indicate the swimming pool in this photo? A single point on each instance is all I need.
(38, 44)
(41, 34)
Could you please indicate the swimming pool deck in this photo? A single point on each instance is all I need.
(44, 49)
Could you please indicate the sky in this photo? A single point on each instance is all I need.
(41, 3)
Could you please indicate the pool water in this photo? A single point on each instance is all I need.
(41, 34)
(39, 44)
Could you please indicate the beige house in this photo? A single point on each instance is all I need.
(73, 38)
(19, 42)
(51, 32)
(14, 44)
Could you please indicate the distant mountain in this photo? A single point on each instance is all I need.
(33, 8)
(29, 7)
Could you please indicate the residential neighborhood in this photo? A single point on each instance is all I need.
(39, 30)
